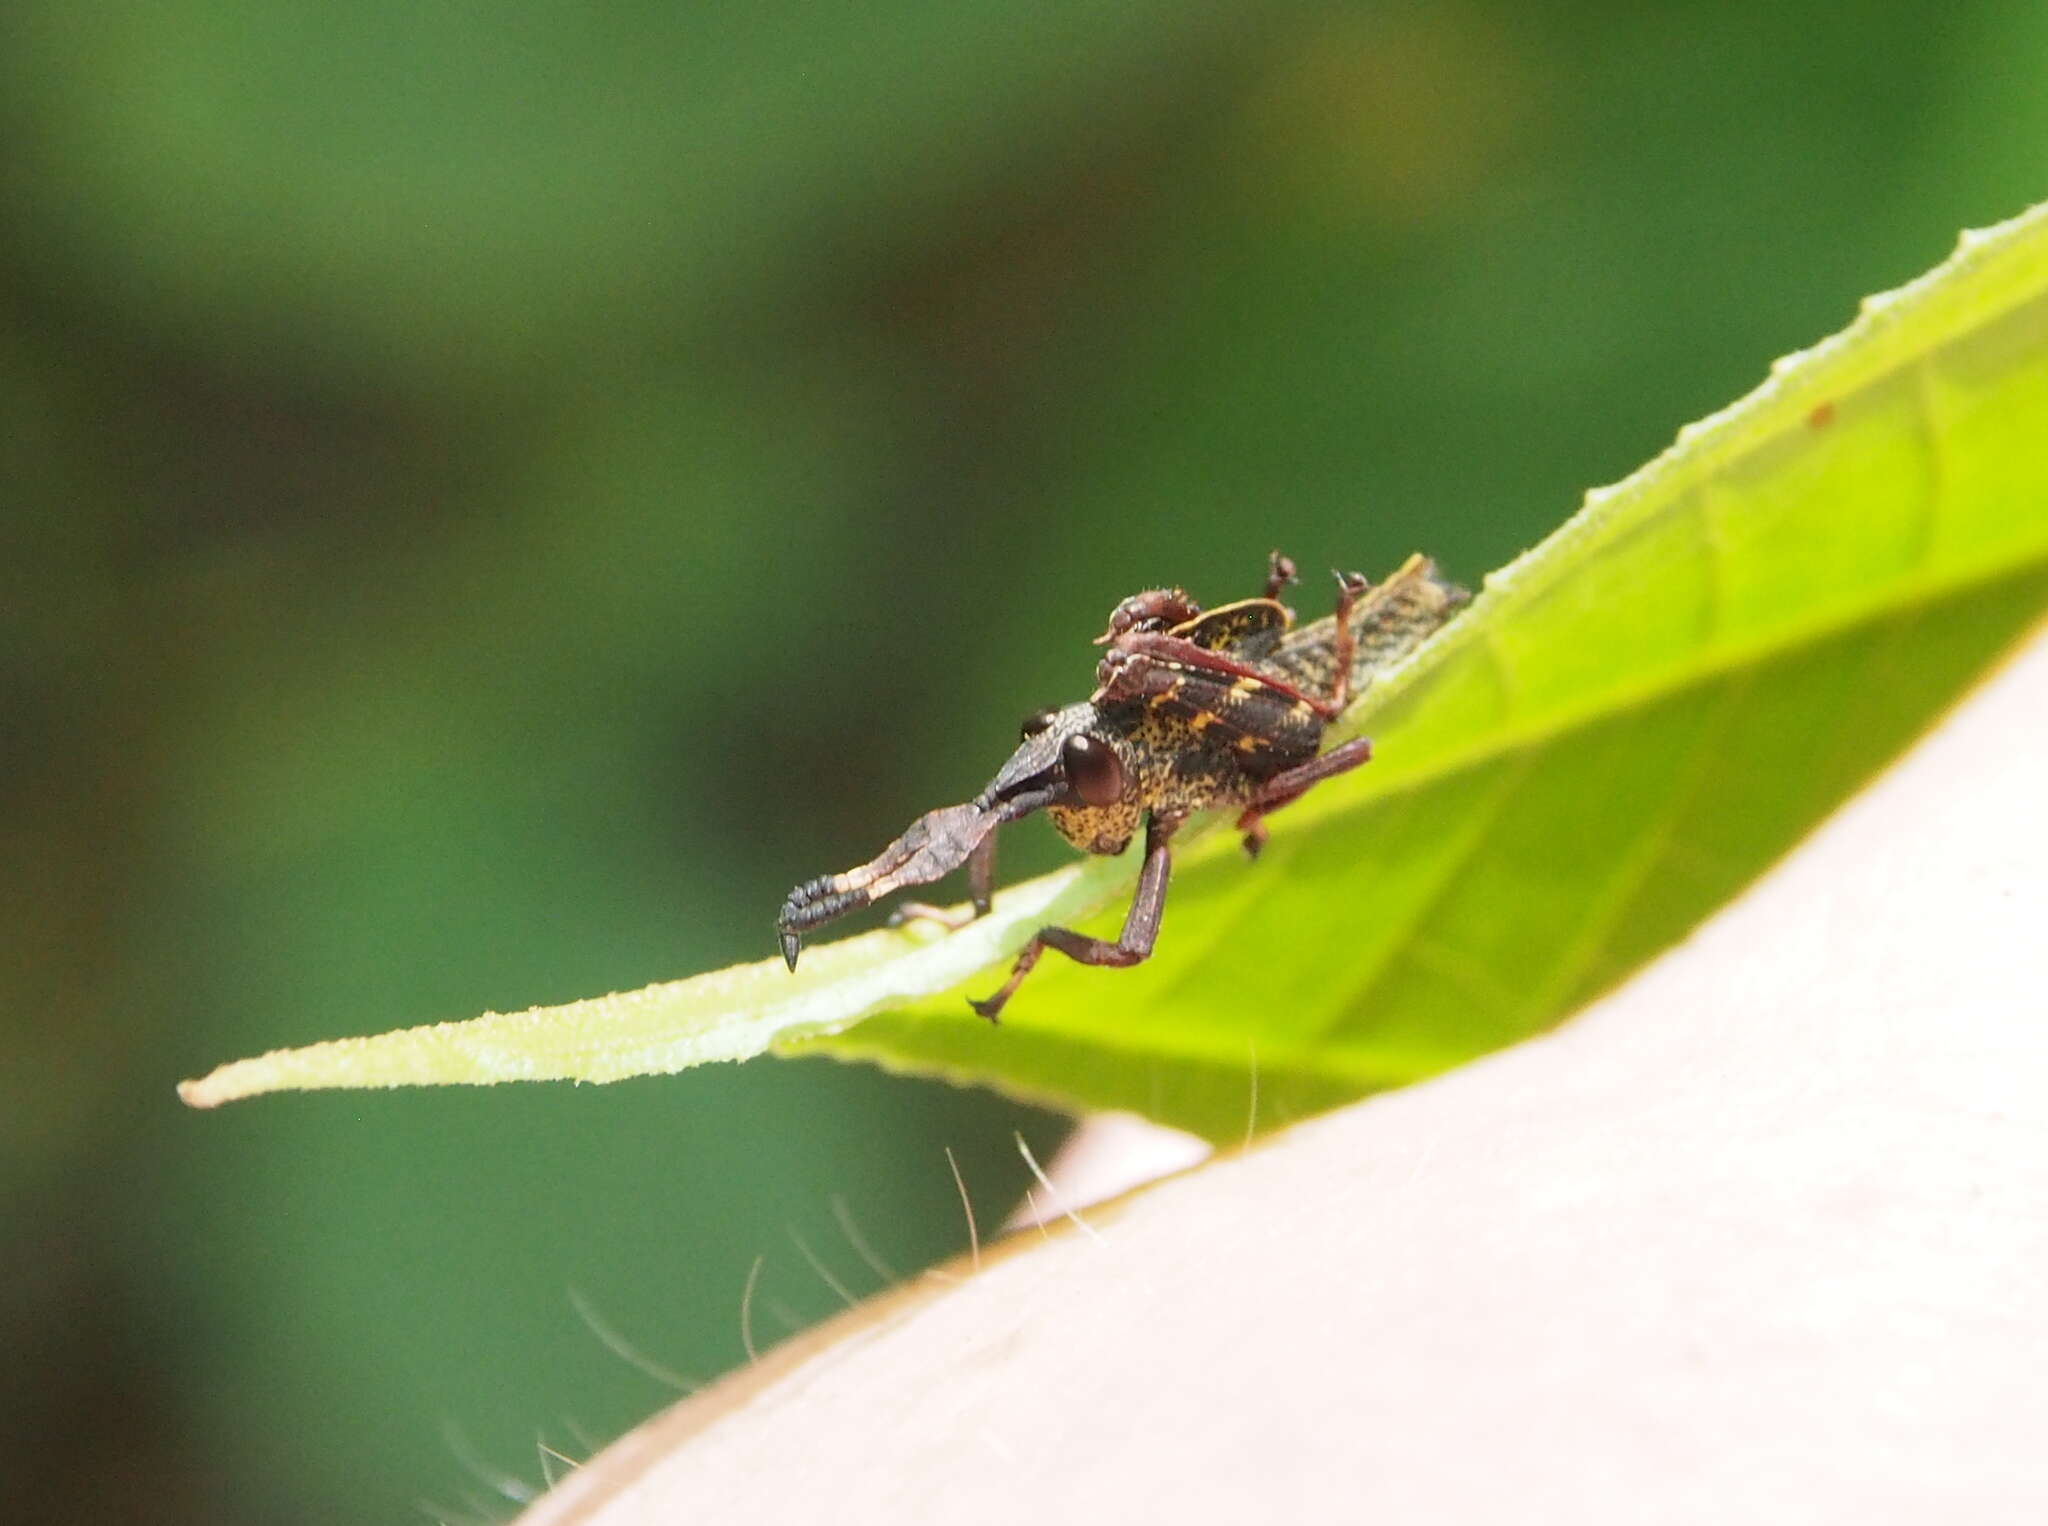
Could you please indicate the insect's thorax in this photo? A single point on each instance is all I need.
(1180, 758)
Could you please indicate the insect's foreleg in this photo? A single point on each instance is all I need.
(1290, 784)
(937, 843)
(981, 878)
(1133, 944)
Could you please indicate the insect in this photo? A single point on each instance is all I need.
(1192, 709)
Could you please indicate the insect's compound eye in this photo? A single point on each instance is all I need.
(1035, 722)
(1093, 769)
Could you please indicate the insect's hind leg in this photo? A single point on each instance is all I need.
(1290, 784)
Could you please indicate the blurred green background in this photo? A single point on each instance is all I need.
(493, 495)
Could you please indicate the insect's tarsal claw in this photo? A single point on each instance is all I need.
(792, 945)
(990, 1008)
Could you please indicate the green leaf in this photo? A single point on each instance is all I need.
(1629, 724)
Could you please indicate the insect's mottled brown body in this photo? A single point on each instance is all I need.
(1193, 709)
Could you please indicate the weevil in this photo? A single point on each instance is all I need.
(1193, 708)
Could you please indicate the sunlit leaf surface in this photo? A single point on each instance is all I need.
(1631, 723)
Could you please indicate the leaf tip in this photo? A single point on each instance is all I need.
(201, 1093)
(224, 1083)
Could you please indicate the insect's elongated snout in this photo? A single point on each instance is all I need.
(935, 844)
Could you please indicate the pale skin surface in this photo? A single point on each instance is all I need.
(1762, 1236)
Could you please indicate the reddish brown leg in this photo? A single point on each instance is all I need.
(1290, 784)
(1133, 944)
(1349, 586)
(1279, 573)
(981, 877)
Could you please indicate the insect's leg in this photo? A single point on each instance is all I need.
(981, 875)
(932, 847)
(1290, 784)
(1279, 573)
(1349, 586)
(1133, 944)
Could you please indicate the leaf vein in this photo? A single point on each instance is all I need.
(1633, 870)
(1476, 829)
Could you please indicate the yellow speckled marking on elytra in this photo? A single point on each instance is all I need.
(1165, 696)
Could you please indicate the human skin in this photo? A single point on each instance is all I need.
(1763, 1235)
